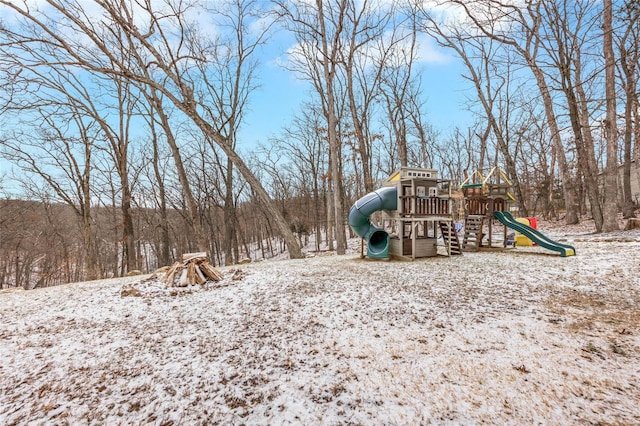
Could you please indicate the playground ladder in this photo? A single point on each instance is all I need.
(472, 232)
(450, 237)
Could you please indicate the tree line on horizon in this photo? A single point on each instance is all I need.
(121, 121)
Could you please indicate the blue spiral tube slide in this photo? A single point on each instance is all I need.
(359, 219)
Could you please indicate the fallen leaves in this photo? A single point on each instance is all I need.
(522, 368)
(130, 291)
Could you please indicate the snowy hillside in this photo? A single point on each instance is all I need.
(521, 337)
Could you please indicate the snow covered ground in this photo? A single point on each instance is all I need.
(517, 337)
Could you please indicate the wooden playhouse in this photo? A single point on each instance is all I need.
(423, 215)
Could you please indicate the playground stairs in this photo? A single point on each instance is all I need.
(450, 237)
(472, 233)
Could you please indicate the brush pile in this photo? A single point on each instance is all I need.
(194, 269)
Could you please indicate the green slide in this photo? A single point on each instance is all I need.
(359, 219)
(536, 236)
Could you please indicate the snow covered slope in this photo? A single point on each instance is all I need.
(497, 338)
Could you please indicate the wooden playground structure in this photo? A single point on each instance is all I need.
(417, 212)
(424, 212)
(483, 196)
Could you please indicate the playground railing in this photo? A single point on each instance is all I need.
(483, 205)
(425, 206)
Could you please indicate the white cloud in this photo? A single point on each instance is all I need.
(430, 53)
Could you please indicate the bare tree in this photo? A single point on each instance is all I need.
(320, 30)
(628, 43)
(169, 53)
(64, 163)
(54, 99)
(480, 57)
(455, 155)
(368, 48)
(120, 102)
(303, 147)
(158, 189)
(235, 67)
(610, 212)
(421, 151)
(400, 87)
(525, 39)
(397, 92)
(568, 25)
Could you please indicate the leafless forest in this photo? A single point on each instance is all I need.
(120, 121)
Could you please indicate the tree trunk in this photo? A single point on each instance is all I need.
(629, 67)
(192, 206)
(228, 215)
(568, 186)
(92, 261)
(330, 217)
(164, 252)
(127, 225)
(335, 145)
(628, 210)
(401, 140)
(610, 213)
(584, 146)
(295, 252)
(93, 272)
(586, 161)
(363, 149)
(317, 205)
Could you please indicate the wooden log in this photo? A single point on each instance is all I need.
(191, 273)
(169, 278)
(193, 269)
(632, 223)
(200, 278)
(182, 281)
(188, 257)
(211, 272)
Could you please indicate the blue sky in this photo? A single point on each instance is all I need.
(281, 95)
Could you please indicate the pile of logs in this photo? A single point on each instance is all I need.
(194, 269)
